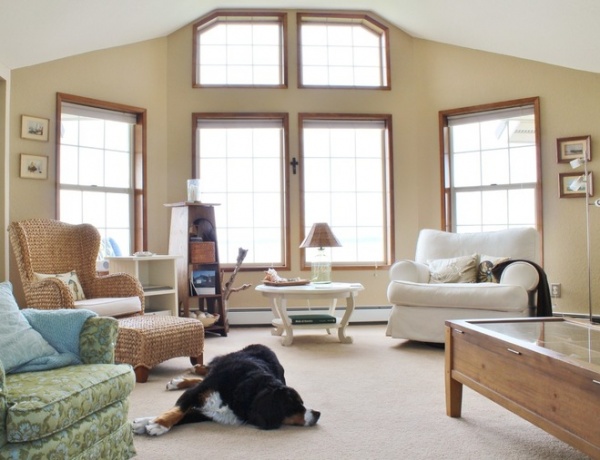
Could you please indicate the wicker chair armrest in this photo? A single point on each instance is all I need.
(98, 339)
(49, 294)
(116, 285)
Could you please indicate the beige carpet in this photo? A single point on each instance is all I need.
(380, 398)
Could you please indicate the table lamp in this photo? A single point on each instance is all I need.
(320, 236)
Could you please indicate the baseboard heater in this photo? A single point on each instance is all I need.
(263, 316)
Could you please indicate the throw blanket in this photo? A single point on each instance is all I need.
(61, 329)
(544, 301)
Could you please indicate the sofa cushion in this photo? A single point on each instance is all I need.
(59, 398)
(111, 306)
(454, 270)
(482, 296)
(19, 342)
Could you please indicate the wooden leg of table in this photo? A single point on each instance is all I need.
(453, 387)
(197, 360)
(141, 374)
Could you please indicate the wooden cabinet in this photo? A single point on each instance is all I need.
(193, 237)
(158, 275)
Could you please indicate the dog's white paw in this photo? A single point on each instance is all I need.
(146, 425)
(154, 429)
(139, 424)
(174, 383)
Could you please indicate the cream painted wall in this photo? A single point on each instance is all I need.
(183, 100)
(4, 184)
(426, 77)
(134, 75)
(452, 77)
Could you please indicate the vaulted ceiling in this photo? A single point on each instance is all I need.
(559, 32)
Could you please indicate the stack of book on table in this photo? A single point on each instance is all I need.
(313, 319)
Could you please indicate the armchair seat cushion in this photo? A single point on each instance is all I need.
(111, 306)
(480, 296)
(74, 392)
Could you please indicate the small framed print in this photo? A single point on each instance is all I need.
(34, 128)
(34, 166)
(570, 148)
(572, 185)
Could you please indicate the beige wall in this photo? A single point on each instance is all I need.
(134, 75)
(426, 77)
(4, 184)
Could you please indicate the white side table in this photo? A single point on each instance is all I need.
(158, 275)
(330, 292)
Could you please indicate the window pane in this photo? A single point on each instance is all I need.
(96, 174)
(239, 51)
(342, 53)
(494, 163)
(345, 189)
(241, 168)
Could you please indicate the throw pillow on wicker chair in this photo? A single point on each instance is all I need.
(70, 279)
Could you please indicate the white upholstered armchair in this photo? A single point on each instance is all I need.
(441, 283)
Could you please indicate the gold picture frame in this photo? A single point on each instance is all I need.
(34, 166)
(567, 180)
(570, 148)
(34, 128)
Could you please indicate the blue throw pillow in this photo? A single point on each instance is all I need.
(19, 342)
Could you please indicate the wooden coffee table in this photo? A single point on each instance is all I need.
(311, 292)
(546, 370)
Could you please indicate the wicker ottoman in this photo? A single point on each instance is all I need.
(145, 341)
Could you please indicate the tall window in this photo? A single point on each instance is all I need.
(99, 178)
(492, 169)
(346, 181)
(342, 50)
(241, 162)
(240, 49)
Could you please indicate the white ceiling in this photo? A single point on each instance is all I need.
(560, 32)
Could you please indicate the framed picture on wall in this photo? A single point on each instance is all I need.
(570, 148)
(34, 166)
(572, 185)
(34, 128)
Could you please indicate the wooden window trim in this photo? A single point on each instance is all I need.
(389, 231)
(284, 117)
(215, 17)
(140, 217)
(445, 185)
(365, 19)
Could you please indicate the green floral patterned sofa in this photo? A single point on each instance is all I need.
(73, 412)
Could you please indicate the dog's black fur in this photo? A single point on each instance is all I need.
(250, 382)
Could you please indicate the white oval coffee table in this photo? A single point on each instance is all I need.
(311, 292)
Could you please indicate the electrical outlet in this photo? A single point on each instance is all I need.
(555, 289)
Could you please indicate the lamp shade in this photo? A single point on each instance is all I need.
(320, 236)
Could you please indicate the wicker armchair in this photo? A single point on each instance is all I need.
(46, 246)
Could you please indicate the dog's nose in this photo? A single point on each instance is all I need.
(311, 417)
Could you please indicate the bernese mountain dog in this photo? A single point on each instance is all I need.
(246, 386)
